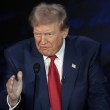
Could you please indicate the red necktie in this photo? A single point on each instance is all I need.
(54, 86)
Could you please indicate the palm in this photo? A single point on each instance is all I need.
(14, 88)
(16, 91)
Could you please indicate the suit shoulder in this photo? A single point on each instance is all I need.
(84, 42)
(24, 44)
(19, 51)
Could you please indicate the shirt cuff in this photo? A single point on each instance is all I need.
(12, 108)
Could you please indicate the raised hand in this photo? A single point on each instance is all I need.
(14, 88)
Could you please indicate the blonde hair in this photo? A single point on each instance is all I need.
(45, 13)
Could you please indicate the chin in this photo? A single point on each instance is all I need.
(45, 54)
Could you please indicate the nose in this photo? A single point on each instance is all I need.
(43, 39)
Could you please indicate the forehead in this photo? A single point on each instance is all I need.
(47, 27)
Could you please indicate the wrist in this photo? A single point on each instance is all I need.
(12, 102)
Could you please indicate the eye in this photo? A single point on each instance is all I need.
(49, 34)
(37, 34)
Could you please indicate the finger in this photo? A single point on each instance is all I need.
(10, 83)
(11, 78)
(19, 76)
(9, 87)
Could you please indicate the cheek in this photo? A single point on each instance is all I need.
(37, 41)
(52, 43)
(59, 41)
(55, 44)
(37, 44)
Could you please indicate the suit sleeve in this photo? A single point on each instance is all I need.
(98, 97)
(10, 70)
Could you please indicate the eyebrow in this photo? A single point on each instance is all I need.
(43, 33)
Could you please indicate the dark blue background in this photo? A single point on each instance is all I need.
(89, 18)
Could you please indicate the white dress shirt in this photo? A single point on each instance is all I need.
(58, 62)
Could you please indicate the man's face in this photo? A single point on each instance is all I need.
(49, 38)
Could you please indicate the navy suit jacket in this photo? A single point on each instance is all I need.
(84, 87)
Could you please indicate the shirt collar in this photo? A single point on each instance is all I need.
(60, 53)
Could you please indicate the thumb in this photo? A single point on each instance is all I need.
(19, 76)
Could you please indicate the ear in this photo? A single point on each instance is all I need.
(65, 33)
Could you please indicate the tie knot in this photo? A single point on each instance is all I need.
(53, 57)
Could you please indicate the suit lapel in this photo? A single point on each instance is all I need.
(69, 72)
(41, 84)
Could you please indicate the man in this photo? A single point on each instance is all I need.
(82, 85)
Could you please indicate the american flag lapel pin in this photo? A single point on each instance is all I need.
(73, 65)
